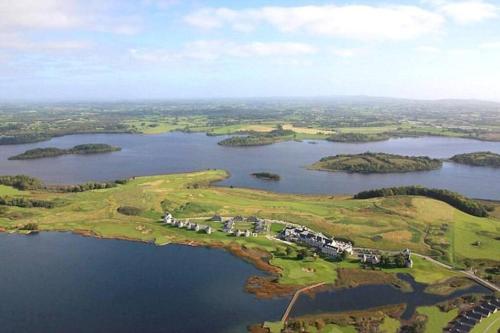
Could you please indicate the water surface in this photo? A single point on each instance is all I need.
(181, 152)
(60, 282)
(370, 296)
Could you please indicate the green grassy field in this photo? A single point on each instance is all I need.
(276, 327)
(7, 190)
(389, 325)
(488, 325)
(436, 319)
(384, 223)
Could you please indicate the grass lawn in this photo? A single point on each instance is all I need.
(274, 326)
(389, 325)
(10, 191)
(305, 272)
(436, 319)
(332, 328)
(385, 223)
(425, 272)
(488, 325)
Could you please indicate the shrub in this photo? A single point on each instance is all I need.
(129, 210)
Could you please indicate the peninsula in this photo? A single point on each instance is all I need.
(376, 163)
(90, 148)
(301, 240)
(358, 137)
(259, 139)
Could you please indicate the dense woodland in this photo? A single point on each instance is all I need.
(259, 139)
(485, 158)
(376, 163)
(23, 183)
(452, 198)
(358, 137)
(90, 148)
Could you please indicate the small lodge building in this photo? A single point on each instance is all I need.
(260, 226)
(407, 256)
(466, 321)
(228, 226)
(167, 218)
(370, 259)
(216, 218)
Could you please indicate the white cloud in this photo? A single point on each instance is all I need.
(465, 12)
(490, 46)
(361, 22)
(344, 53)
(13, 41)
(91, 15)
(210, 50)
(428, 49)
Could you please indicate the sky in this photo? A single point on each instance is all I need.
(164, 49)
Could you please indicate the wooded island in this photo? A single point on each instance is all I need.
(376, 163)
(90, 148)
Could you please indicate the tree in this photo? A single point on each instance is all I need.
(303, 253)
(400, 260)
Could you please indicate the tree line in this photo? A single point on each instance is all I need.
(23, 183)
(452, 198)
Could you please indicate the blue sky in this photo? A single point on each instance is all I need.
(154, 49)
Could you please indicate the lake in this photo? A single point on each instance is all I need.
(181, 152)
(370, 296)
(61, 282)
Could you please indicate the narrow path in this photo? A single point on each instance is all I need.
(469, 274)
(295, 297)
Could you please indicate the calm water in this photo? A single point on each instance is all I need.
(365, 297)
(59, 282)
(178, 152)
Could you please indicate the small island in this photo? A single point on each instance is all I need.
(358, 137)
(259, 138)
(376, 163)
(266, 176)
(482, 158)
(90, 148)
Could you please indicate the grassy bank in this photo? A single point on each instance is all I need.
(385, 223)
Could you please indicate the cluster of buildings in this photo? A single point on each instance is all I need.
(169, 219)
(466, 321)
(322, 243)
(259, 226)
(374, 259)
(228, 226)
